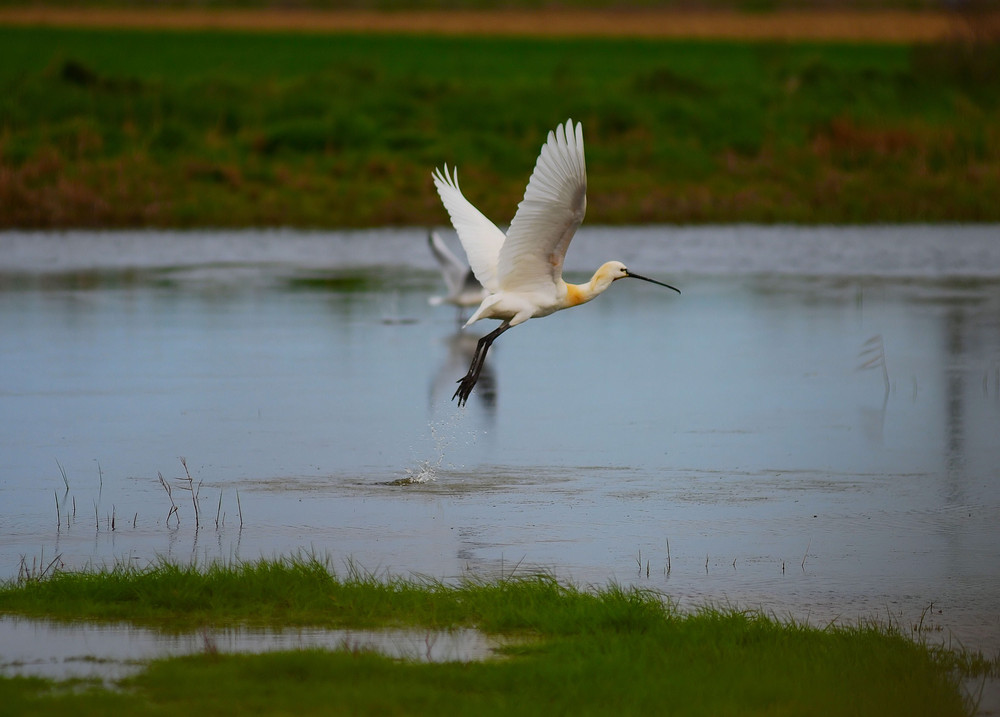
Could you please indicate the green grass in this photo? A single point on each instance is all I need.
(306, 591)
(626, 651)
(135, 128)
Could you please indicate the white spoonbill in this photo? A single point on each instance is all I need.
(464, 290)
(522, 271)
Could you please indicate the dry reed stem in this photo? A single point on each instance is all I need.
(173, 506)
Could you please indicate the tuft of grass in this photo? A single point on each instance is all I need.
(306, 591)
(625, 650)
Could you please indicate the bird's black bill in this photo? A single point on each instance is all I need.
(652, 281)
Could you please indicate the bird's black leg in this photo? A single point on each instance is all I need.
(467, 382)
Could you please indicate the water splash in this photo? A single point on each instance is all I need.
(443, 436)
(423, 472)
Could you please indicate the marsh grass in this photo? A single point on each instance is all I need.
(125, 128)
(306, 591)
(595, 651)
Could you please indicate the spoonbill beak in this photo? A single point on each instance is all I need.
(632, 275)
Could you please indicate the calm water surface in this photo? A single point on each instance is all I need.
(110, 652)
(307, 373)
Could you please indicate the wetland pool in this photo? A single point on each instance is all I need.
(110, 652)
(724, 446)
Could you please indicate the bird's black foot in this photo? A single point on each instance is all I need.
(468, 382)
(465, 386)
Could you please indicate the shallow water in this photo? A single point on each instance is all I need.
(306, 373)
(42, 648)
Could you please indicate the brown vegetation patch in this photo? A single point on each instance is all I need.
(873, 26)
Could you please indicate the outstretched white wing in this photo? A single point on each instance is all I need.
(480, 237)
(553, 207)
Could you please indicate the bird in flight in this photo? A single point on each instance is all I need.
(522, 270)
(464, 289)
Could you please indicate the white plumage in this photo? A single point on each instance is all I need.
(522, 270)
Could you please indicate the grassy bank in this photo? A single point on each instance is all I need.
(137, 128)
(584, 652)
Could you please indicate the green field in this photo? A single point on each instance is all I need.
(610, 651)
(147, 128)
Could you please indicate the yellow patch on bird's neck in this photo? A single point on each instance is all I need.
(575, 295)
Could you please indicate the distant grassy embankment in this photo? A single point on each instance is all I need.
(744, 6)
(201, 128)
